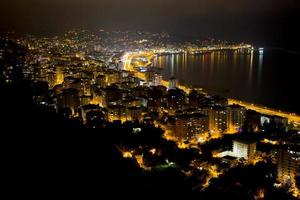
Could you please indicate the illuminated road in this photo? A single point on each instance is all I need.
(130, 56)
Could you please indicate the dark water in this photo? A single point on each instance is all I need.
(269, 79)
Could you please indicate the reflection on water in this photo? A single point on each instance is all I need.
(260, 66)
(259, 78)
(250, 72)
(210, 71)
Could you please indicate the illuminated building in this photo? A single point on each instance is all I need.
(173, 83)
(80, 55)
(97, 98)
(252, 121)
(236, 117)
(57, 89)
(126, 74)
(153, 78)
(51, 79)
(101, 81)
(97, 48)
(116, 112)
(219, 101)
(217, 118)
(88, 108)
(288, 165)
(281, 122)
(188, 126)
(140, 91)
(86, 85)
(112, 77)
(110, 95)
(59, 75)
(132, 102)
(76, 83)
(85, 100)
(265, 120)
(98, 72)
(121, 66)
(134, 113)
(95, 119)
(156, 81)
(195, 99)
(40, 72)
(244, 149)
(127, 85)
(176, 99)
(144, 101)
(156, 98)
(69, 98)
(274, 121)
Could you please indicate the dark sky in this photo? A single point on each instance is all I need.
(249, 20)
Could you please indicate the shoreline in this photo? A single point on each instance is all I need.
(291, 116)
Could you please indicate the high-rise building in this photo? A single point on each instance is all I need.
(75, 83)
(252, 121)
(116, 113)
(86, 86)
(120, 66)
(156, 79)
(112, 77)
(69, 98)
(188, 126)
(134, 113)
(217, 118)
(288, 165)
(244, 149)
(155, 98)
(111, 94)
(176, 99)
(236, 117)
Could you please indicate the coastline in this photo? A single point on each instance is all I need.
(263, 109)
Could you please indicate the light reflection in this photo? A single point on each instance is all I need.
(234, 58)
(260, 68)
(176, 63)
(212, 59)
(172, 65)
(250, 75)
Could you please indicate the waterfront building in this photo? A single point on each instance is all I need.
(236, 117)
(173, 83)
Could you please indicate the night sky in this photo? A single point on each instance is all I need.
(247, 20)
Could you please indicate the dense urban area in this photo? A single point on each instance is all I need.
(199, 145)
